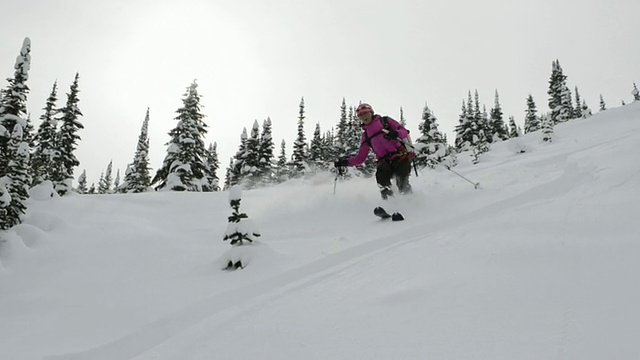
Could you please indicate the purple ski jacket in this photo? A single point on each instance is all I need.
(380, 146)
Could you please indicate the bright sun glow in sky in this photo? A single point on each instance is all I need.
(256, 59)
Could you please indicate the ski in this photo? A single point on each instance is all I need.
(383, 214)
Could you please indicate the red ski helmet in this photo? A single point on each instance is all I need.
(363, 109)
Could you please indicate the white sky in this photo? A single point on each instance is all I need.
(255, 59)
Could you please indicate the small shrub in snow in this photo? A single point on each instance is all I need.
(240, 229)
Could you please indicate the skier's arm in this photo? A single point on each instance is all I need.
(362, 153)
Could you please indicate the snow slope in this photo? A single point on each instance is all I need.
(541, 263)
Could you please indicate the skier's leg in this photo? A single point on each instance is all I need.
(383, 177)
(402, 171)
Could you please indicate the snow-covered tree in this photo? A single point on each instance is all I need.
(402, 120)
(431, 146)
(560, 101)
(342, 134)
(282, 166)
(13, 104)
(267, 159)
(635, 93)
(240, 231)
(92, 189)
(238, 161)
(43, 154)
(514, 131)
(531, 121)
(546, 124)
(137, 178)
(299, 157)
(67, 141)
(82, 183)
(184, 166)
(497, 126)
(577, 111)
(603, 105)
(251, 169)
(213, 164)
(316, 149)
(17, 180)
(104, 187)
(116, 181)
(586, 112)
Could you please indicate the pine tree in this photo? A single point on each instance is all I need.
(299, 156)
(251, 169)
(104, 187)
(468, 131)
(92, 189)
(577, 112)
(43, 154)
(116, 181)
(66, 141)
(586, 112)
(315, 149)
(137, 178)
(267, 171)
(13, 104)
(282, 171)
(213, 164)
(17, 179)
(240, 228)
(635, 93)
(559, 95)
(184, 166)
(238, 161)
(431, 144)
(497, 126)
(82, 183)
(228, 175)
(603, 105)
(402, 120)
(514, 132)
(546, 124)
(531, 121)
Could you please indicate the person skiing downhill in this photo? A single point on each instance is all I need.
(385, 137)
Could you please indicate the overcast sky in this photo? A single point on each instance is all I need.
(255, 59)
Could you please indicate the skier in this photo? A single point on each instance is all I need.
(385, 137)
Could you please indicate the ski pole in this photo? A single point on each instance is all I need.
(339, 171)
(475, 185)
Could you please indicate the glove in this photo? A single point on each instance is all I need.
(341, 162)
(391, 134)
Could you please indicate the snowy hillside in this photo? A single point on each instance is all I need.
(542, 262)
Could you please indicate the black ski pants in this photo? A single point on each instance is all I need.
(400, 168)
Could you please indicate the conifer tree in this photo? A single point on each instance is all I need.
(603, 105)
(315, 149)
(299, 156)
(267, 171)
(586, 112)
(13, 104)
(514, 132)
(82, 183)
(531, 121)
(238, 161)
(251, 169)
(137, 178)
(240, 228)
(431, 143)
(17, 179)
(635, 93)
(228, 175)
(559, 95)
(92, 189)
(104, 187)
(468, 131)
(497, 125)
(213, 164)
(116, 181)
(402, 120)
(577, 112)
(353, 133)
(66, 141)
(282, 171)
(45, 140)
(184, 166)
(546, 124)
(341, 137)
